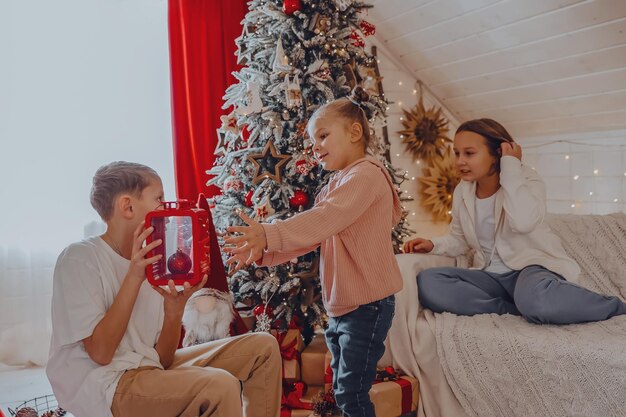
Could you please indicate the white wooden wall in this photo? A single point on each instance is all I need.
(538, 66)
(584, 173)
(400, 88)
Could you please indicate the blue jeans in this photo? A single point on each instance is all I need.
(356, 342)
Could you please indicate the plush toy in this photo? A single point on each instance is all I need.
(208, 315)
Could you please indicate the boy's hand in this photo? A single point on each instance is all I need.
(418, 245)
(174, 301)
(511, 149)
(248, 246)
(138, 261)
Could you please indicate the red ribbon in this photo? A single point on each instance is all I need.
(288, 351)
(292, 397)
(405, 386)
(328, 375)
(407, 394)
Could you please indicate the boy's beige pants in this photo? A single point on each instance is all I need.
(206, 380)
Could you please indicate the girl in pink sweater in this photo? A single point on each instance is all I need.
(351, 222)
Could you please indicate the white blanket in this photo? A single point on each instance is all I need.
(490, 365)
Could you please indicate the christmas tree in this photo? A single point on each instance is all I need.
(297, 55)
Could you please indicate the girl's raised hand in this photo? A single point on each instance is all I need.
(418, 245)
(511, 149)
(248, 245)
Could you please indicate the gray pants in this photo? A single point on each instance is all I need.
(535, 293)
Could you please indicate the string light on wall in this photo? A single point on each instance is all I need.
(596, 173)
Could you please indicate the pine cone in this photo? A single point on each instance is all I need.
(26, 412)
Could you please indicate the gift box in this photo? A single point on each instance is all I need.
(291, 340)
(249, 320)
(291, 370)
(395, 398)
(291, 344)
(328, 372)
(311, 392)
(313, 358)
(286, 412)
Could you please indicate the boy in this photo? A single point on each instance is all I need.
(114, 339)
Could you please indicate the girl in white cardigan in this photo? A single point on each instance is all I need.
(498, 210)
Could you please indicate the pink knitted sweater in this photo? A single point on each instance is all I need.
(352, 221)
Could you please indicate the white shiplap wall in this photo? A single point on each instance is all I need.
(584, 173)
(400, 89)
(540, 67)
(566, 162)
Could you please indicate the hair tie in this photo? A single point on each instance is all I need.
(354, 101)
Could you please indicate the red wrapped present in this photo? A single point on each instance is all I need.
(328, 372)
(287, 412)
(291, 344)
(290, 340)
(395, 398)
(313, 361)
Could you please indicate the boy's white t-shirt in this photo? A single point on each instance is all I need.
(87, 277)
(486, 234)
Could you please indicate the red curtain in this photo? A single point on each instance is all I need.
(202, 57)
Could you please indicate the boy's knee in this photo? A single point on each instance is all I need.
(266, 346)
(266, 343)
(223, 384)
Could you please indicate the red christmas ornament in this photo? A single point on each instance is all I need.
(357, 40)
(302, 167)
(262, 308)
(299, 199)
(367, 28)
(179, 263)
(233, 183)
(291, 6)
(245, 134)
(248, 199)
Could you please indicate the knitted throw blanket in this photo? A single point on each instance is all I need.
(503, 366)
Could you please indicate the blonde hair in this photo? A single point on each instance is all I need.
(352, 109)
(116, 178)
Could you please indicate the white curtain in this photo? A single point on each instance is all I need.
(82, 83)
(26, 289)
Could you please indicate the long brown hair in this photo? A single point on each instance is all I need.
(493, 132)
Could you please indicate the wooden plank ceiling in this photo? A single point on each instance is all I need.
(540, 67)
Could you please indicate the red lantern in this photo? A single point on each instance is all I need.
(299, 199)
(291, 6)
(185, 248)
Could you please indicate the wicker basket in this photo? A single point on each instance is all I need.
(41, 405)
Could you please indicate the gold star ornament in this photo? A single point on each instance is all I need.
(437, 186)
(425, 132)
(268, 164)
